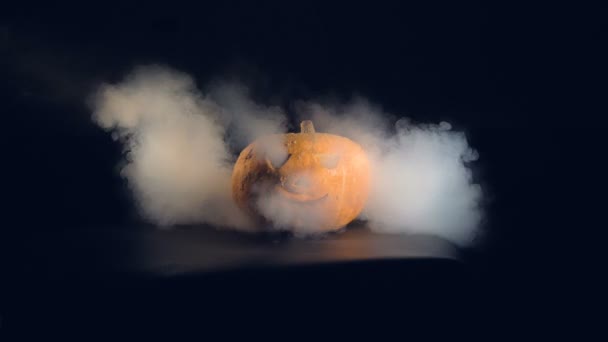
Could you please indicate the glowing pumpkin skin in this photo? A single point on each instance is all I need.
(304, 181)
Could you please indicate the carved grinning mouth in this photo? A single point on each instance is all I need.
(300, 198)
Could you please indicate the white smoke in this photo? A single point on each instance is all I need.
(421, 182)
(285, 216)
(178, 164)
(179, 160)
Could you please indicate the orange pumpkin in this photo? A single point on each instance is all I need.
(303, 181)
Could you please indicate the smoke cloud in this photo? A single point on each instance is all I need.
(178, 163)
(421, 180)
(181, 144)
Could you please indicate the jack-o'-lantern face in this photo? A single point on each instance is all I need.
(307, 181)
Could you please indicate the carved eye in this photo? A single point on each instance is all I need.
(277, 159)
(329, 161)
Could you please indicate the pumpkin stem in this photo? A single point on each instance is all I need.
(306, 126)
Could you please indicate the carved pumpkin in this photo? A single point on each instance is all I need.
(303, 181)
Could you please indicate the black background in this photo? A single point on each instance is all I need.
(514, 77)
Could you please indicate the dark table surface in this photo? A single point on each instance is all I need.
(139, 279)
(93, 252)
